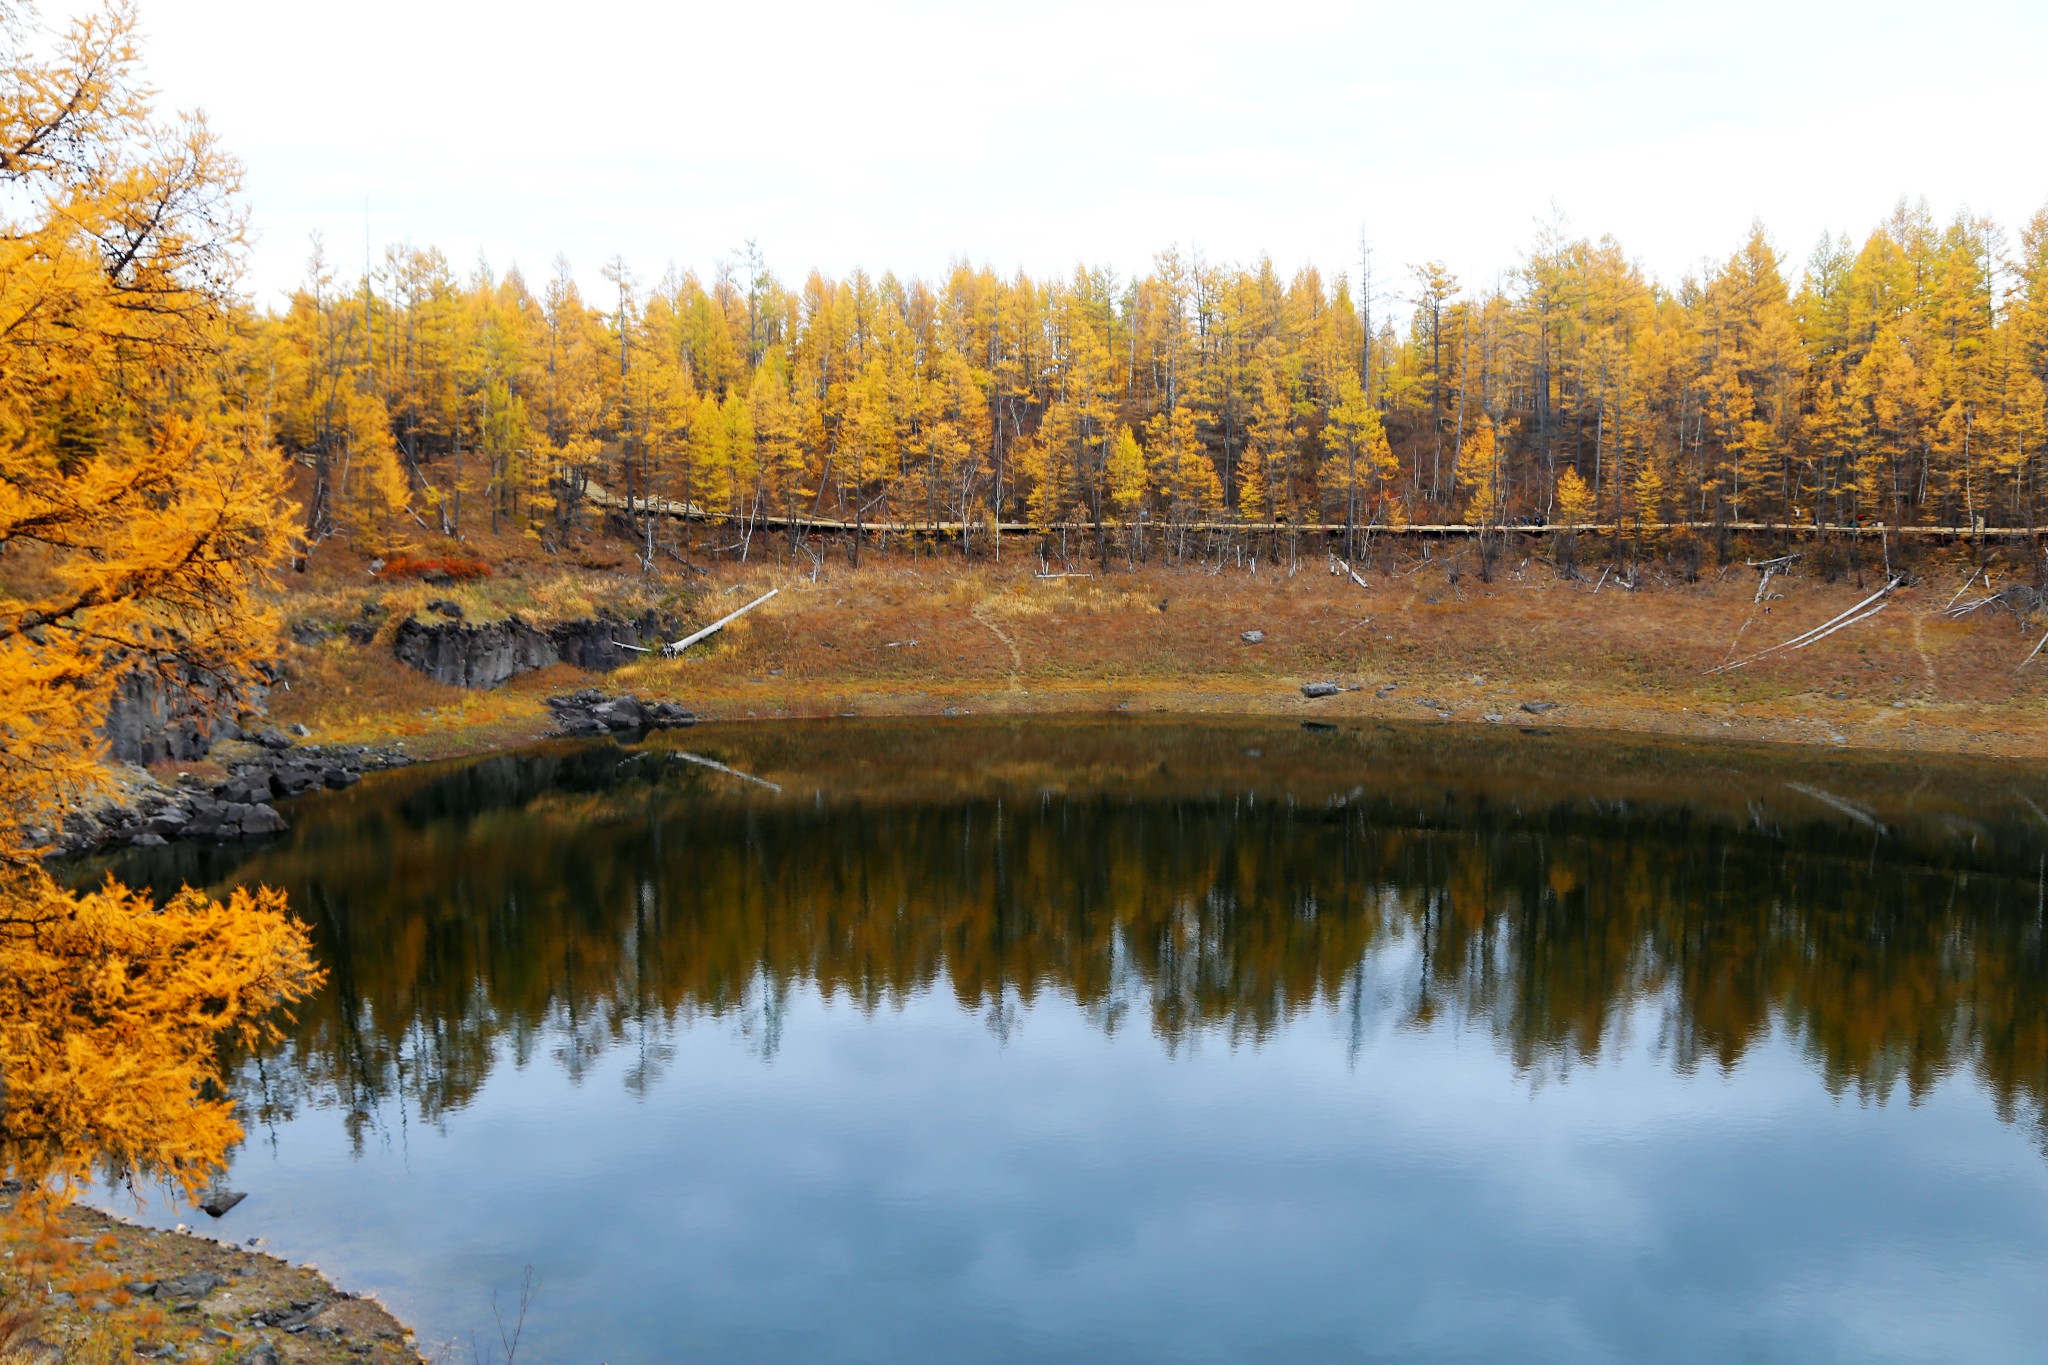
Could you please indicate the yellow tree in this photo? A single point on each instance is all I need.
(1127, 483)
(141, 506)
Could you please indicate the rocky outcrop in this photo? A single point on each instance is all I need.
(156, 716)
(591, 712)
(485, 655)
(266, 769)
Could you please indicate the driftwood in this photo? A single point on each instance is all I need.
(721, 623)
(1862, 611)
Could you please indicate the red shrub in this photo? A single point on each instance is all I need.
(459, 570)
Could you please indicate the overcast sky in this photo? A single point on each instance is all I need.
(900, 136)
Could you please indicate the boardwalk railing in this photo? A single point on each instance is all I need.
(604, 498)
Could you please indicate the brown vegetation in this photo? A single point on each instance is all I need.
(904, 635)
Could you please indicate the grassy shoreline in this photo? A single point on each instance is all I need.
(1421, 642)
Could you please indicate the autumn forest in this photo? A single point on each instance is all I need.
(1902, 380)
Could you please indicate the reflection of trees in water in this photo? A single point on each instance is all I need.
(584, 903)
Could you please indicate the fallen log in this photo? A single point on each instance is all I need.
(671, 650)
(1860, 612)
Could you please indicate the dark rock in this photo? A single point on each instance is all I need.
(474, 656)
(262, 819)
(1389, 688)
(1253, 637)
(620, 713)
(158, 714)
(1320, 689)
(441, 606)
(299, 731)
(273, 739)
(196, 1285)
(205, 822)
(308, 633)
(246, 788)
(220, 1201)
(148, 840)
(590, 712)
(1541, 708)
(360, 632)
(338, 778)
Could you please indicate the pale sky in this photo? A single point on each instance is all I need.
(899, 136)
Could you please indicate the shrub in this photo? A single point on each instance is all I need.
(446, 566)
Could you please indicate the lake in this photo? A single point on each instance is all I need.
(1093, 1040)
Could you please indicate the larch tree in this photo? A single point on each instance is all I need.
(141, 510)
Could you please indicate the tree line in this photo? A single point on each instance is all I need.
(1902, 381)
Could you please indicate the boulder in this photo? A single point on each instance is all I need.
(591, 712)
(1320, 689)
(1253, 637)
(263, 819)
(220, 1201)
(620, 713)
(196, 1285)
(1541, 708)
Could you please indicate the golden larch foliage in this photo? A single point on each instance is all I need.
(141, 509)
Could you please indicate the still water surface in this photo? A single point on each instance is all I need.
(1091, 1041)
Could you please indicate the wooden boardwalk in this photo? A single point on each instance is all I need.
(604, 498)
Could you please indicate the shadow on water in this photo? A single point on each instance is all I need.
(1216, 878)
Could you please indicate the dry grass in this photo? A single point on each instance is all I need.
(899, 636)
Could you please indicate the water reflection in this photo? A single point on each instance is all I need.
(574, 902)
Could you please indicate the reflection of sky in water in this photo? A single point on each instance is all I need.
(905, 1185)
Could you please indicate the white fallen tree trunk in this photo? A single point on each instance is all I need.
(671, 650)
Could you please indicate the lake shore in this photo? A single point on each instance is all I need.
(1426, 641)
(99, 1288)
